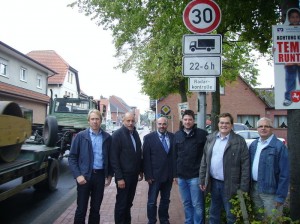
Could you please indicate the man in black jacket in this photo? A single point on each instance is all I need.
(158, 173)
(126, 160)
(188, 151)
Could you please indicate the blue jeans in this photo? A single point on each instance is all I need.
(291, 73)
(163, 210)
(217, 201)
(193, 200)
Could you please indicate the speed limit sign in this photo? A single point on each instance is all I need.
(202, 16)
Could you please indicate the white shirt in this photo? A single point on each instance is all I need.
(216, 165)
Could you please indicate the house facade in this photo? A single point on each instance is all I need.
(24, 81)
(238, 98)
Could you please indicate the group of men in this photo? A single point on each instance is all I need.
(219, 163)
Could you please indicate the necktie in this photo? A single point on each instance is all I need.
(164, 142)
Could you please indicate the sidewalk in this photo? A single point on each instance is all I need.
(138, 211)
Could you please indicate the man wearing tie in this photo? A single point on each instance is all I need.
(126, 161)
(157, 159)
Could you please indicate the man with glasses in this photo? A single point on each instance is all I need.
(269, 171)
(224, 168)
(157, 159)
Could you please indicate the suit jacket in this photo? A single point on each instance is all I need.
(125, 159)
(157, 162)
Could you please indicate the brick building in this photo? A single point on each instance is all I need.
(245, 104)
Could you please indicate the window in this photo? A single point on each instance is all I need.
(280, 121)
(70, 77)
(222, 90)
(23, 74)
(39, 81)
(249, 120)
(3, 67)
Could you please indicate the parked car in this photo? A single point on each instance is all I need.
(236, 127)
(251, 135)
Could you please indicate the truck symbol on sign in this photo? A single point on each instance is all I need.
(202, 44)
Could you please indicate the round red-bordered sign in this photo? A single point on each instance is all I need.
(202, 16)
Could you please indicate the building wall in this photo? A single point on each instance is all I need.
(13, 77)
(39, 110)
(239, 99)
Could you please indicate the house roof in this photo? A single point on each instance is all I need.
(118, 105)
(55, 61)
(10, 90)
(261, 93)
(22, 57)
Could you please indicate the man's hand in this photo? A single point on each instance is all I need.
(150, 181)
(81, 180)
(202, 187)
(121, 184)
(278, 204)
(141, 176)
(108, 181)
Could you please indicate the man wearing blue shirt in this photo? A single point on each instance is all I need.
(89, 163)
(269, 171)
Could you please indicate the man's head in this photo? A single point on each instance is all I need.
(162, 125)
(225, 124)
(94, 119)
(188, 119)
(265, 127)
(129, 121)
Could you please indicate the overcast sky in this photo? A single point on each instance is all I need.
(51, 25)
(28, 25)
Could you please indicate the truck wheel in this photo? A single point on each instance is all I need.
(53, 174)
(50, 131)
(50, 182)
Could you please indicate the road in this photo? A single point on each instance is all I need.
(37, 207)
(30, 206)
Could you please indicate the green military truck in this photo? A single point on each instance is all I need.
(67, 116)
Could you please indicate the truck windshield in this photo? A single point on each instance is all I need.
(68, 105)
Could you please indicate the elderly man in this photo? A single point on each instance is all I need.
(270, 171)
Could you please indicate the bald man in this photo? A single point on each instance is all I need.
(126, 161)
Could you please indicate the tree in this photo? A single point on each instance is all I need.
(148, 38)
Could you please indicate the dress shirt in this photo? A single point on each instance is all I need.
(216, 166)
(97, 140)
(166, 138)
(133, 140)
(260, 145)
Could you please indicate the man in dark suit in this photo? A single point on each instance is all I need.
(157, 159)
(126, 161)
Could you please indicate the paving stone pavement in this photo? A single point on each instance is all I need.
(138, 211)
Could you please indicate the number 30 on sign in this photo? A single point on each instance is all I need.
(202, 16)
